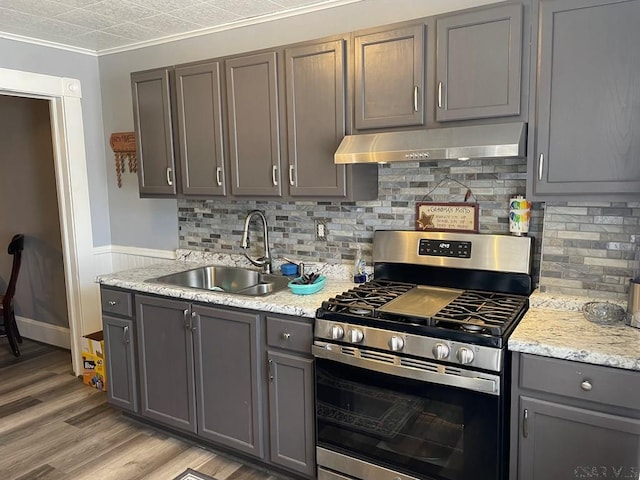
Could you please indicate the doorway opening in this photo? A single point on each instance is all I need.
(63, 95)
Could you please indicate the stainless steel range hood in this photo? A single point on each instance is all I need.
(462, 143)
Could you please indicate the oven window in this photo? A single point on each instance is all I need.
(418, 428)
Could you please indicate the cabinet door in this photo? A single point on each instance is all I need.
(389, 78)
(315, 85)
(478, 64)
(154, 134)
(120, 362)
(587, 139)
(291, 412)
(558, 441)
(166, 361)
(229, 379)
(200, 129)
(254, 130)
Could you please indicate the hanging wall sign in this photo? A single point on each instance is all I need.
(447, 217)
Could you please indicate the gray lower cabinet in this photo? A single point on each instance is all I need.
(228, 378)
(254, 125)
(152, 116)
(586, 135)
(120, 351)
(199, 114)
(119, 345)
(291, 412)
(291, 393)
(389, 78)
(479, 63)
(165, 355)
(573, 420)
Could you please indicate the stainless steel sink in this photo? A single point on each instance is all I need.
(241, 281)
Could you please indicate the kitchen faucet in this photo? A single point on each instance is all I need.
(265, 261)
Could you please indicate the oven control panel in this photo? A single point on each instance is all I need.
(444, 248)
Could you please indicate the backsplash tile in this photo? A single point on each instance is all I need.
(587, 248)
(216, 225)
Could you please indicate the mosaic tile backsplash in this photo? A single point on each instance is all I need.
(587, 250)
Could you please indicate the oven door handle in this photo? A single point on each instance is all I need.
(476, 381)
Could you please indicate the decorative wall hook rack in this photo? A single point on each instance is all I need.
(123, 145)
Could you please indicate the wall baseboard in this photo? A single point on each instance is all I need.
(44, 332)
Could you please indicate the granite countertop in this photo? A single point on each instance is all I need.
(555, 327)
(284, 301)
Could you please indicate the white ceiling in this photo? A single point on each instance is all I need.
(99, 25)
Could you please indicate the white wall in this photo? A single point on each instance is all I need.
(152, 223)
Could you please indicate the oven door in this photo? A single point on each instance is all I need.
(378, 418)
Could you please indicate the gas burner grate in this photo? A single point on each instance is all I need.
(364, 299)
(482, 312)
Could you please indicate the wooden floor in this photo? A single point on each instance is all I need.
(53, 427)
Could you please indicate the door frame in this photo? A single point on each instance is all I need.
(64, 96)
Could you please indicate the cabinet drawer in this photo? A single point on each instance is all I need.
(116, 302)
(290, 334)
(611, 386)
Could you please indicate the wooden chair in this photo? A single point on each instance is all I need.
(10, 327)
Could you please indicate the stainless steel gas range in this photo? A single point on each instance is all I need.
(412, 366)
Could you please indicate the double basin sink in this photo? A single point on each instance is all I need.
(240, 281)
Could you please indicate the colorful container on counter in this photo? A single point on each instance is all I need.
(519, 215)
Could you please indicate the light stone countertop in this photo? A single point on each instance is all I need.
(284, 301)
(555, 327)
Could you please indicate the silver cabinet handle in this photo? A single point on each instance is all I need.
(113, 303)
(274, 175)
(192, 324)
(125, 334)
(586, 385)
(169, 176)
(540, 166)
(291, 168)
(270, 366)
(415, 98)
(219, 176)
(185, 315)
(525, 423)
(439, 94)
(286, 336)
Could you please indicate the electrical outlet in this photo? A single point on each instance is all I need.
(321, 230)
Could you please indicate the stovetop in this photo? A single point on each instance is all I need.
(473, 316)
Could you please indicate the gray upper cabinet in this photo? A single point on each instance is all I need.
(199, 112)
(152, 117)
(165, 355)
(229, 378)
(316, 116)
(479, 63)
(254, 125)
(389, 78)
(587, 127)
(571, 419)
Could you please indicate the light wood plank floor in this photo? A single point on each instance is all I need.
(53, 427)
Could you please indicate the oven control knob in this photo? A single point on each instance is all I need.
(440, 351)
(336, 332)
(355, 335)
(465, 355)
(396, 344)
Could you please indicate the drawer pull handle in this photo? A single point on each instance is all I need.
(113, 303)
(586, 386)
(286, 336)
